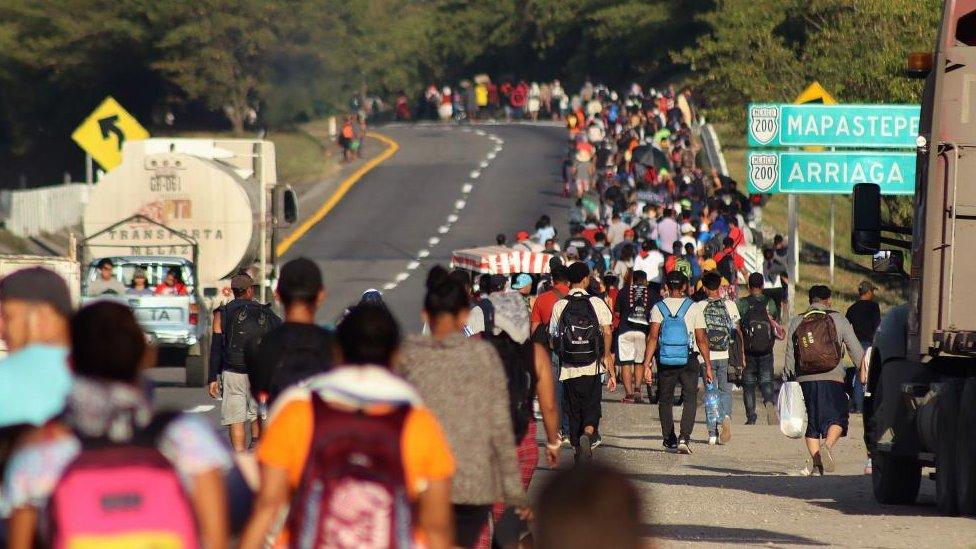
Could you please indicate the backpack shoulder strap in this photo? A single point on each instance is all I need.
(488, 312)
(683, 310)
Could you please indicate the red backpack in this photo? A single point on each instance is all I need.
(353, 489)
(122, 495)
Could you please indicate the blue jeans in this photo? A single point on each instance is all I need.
(558, 386)
(720, 369)
(758, 372)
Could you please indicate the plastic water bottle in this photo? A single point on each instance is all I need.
(711, 405)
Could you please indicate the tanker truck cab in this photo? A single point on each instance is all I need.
(168, 306)
(920, 402)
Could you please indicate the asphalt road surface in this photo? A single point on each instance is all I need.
(742, 494)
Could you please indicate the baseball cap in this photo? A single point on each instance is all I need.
(687, 228)
(865, 286)
(676, 278)
(241, 282)
(572, 251)
(37, 285)
(521, 281)
(522, 235)
(629, 232)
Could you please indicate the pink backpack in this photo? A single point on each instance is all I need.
(122, 495)
(353, 489)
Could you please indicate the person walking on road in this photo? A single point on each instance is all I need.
(722, 327)
(759, 332)
(360, 405)
(581, 328)
(677, 329)
(298, 348)
(463, 382)
(814, 356)
(237, 326)
(633, 308)
(865, 316)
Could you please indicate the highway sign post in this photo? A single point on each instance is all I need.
(833, 172)
(842, 126)
(101, 134)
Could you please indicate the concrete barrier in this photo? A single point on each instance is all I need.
(30, 212)
(713, 149)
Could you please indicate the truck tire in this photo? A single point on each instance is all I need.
(196, 367)
(946, 469)
(966, 449)
(895, 478)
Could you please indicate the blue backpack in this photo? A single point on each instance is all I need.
(674, 343)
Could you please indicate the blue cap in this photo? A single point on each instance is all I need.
(521, 281)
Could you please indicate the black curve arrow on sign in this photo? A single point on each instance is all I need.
(108, 125)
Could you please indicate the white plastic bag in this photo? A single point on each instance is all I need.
(792, 410)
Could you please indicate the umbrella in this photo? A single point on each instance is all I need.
(650, 156)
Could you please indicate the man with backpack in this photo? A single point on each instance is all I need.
(814, 357)
(581, 329)
(363, 462)
(722, 327)
(298, 348)
(677, 331)
(729, 262)
(759, 333)
(237, 328)
(633, 308)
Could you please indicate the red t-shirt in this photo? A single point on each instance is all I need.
(542, 309)
(737, 259)
(737, 236)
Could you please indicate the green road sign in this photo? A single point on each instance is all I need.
(830, 172)
(872, 126)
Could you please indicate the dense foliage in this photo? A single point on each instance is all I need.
(270, 63)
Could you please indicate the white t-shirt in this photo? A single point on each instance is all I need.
(733, 312)
(694, 318)
(603, 315)
(651, 265)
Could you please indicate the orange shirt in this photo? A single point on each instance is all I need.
(426, 455)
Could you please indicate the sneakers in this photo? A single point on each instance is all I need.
(726, 433)
(671, 443)
(684, 447)
(772, 416)
(868, 468)
(827, 459)
(712, 440)
(595, 440)
(584, 452)
(564, 440)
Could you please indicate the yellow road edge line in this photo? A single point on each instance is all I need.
(319, 215)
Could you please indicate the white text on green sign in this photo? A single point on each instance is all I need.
(830, 172)
(874, 126)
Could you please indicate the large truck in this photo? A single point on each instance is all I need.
(921, 412)
(214, 203)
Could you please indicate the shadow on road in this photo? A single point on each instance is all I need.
(717, 534)
(829, 492)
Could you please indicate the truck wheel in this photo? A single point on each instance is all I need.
(966, 449)
(946, 470)
(196, 367)
(895, 478)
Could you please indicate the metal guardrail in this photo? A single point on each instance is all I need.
(30, 212)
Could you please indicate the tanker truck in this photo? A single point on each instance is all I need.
(204, 209)
(921, 371)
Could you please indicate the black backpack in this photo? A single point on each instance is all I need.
(726, 268)
(756, 328)
(638, 305)
(518, 360)
(243, 326)
(578, 336)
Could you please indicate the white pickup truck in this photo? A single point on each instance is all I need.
(177, 321)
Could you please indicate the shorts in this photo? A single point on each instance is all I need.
(237, 404)
(827, 404)
(468, 522)
(631, 347)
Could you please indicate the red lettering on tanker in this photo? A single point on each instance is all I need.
(166, 211)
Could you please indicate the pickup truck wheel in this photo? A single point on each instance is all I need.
(196, 368)
(966, 449)
(896, 479)
(946, 468)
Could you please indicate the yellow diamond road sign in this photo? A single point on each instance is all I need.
(815, 93)
(103, 132)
